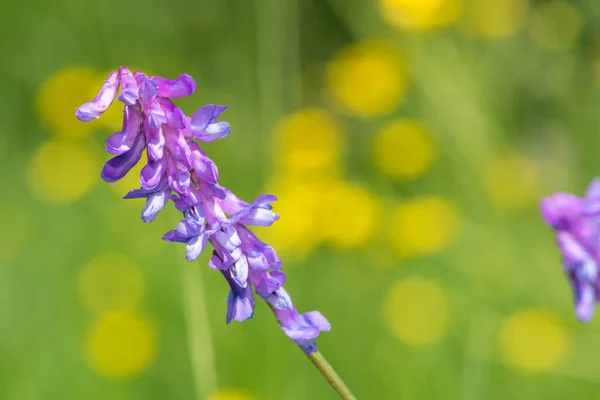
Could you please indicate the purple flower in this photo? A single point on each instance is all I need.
(301, 328)
(177, 169)
(576, 222)
(95, 108)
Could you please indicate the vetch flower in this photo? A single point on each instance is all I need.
(576, 222)
(302, 328)
(178, 170)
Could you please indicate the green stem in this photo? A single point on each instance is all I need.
(199, 337)
(332, 377)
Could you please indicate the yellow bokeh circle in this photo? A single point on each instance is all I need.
(533, 341)
(404, 149)
(555, 25)
(494, 19)
(298, 231)
(63, 172)
(309, 144)
(230, 395)
(350, 215)
(417, 311)
(424, 225)
(512, 180)
(121, 345)
(368, 78)
(61, 94)
(419, 15)
(111, 282)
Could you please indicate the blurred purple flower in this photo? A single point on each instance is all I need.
(576, 222)
(177, 169)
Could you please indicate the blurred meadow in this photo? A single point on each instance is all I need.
(408, 141)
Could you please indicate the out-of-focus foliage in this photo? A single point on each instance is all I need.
(408, 141)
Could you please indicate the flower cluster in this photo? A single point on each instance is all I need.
(177, 169)
(576, 222)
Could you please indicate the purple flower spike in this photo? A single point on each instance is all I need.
(95, 108)
(178, 169)
(577, 228)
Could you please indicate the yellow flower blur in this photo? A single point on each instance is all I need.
(533, 341)
(556, 25)
(309, 145)
(403, 149)
(121, 345)
(419, 15)
(494, 19)
(63, 172)
(111, 282)
(424, 225)
(417, 311)
(298, 231)
(350, 215)
(60, 95)
(512, 180)
(368, 79)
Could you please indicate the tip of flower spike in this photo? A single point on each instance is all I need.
(94, 109)
(310, 325)
(591, 205)
(559, 208)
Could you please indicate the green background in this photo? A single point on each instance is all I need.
(265, 59)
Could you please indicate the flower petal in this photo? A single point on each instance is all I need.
(101, 102)
(239, 271)
(592, 199)
(267, 282)
(195, 246)
(121, 142)
(240, 304)
(156, 141)
(117, 167)
(154, 203)
(183, 86)
(315, 318)
(129, 88)
(184, 232)
(152, 174)
(204, 125)
(173, 114)
(560, 209)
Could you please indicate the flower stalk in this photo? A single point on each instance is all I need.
(332, 377)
